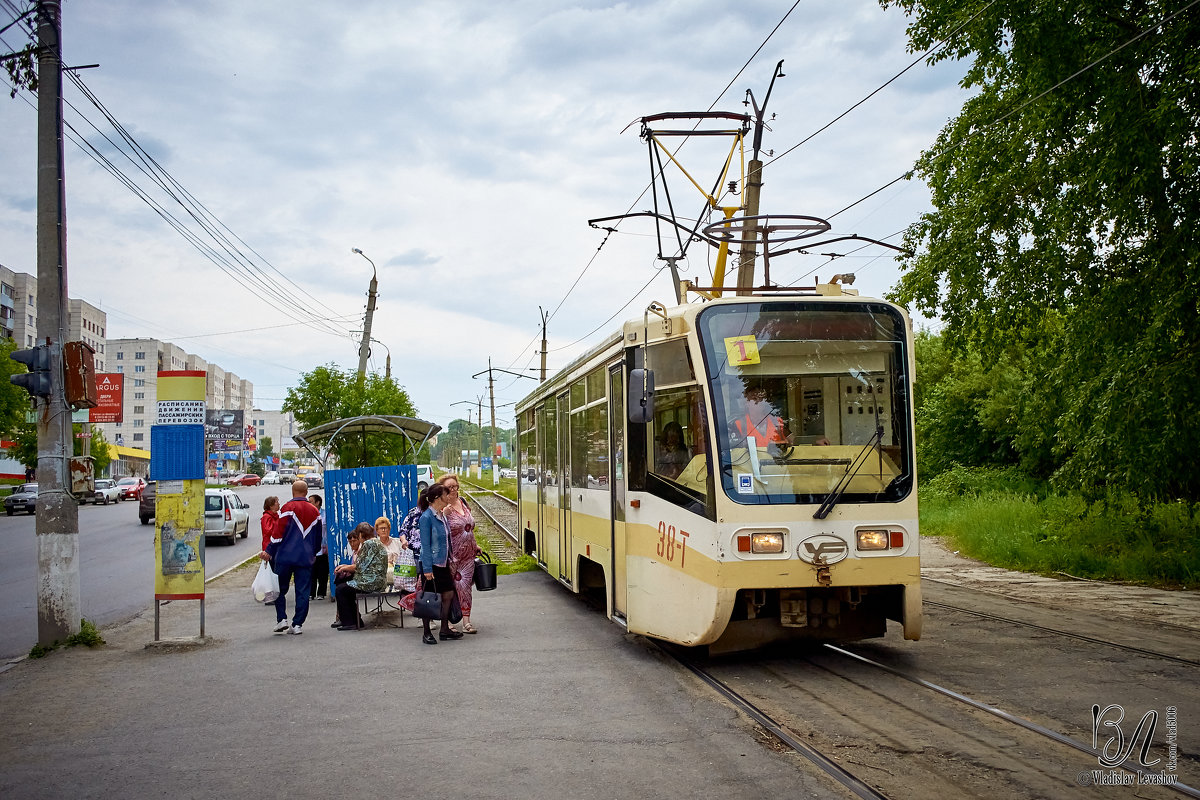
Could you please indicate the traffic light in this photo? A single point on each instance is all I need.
(37, 361)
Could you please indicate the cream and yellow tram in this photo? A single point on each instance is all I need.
(733, 473)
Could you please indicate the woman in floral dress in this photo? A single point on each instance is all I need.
(463, 547)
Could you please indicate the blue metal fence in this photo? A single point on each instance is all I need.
(363, 494)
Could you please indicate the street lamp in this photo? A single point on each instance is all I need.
(388, 372)
(366, 337)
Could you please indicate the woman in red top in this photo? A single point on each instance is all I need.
(269, 519)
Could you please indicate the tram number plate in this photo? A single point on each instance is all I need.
(742, 350)
(672, 543)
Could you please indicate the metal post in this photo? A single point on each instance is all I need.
(544, 317)
(57, 511)
(492, 400)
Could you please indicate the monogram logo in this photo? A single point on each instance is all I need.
(822, 550)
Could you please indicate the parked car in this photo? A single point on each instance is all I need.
(106, 492)
(287, 475)
(225, 515)
(424, 477)
(314, 480)
(248, 479)
(131, 487)
(146, 503)
(271, 478)
(23, 498)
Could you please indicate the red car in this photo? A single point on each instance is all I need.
(130, 488)
(249, 479)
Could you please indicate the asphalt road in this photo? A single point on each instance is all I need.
(116, 565)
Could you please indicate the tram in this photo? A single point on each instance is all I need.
(733, 473)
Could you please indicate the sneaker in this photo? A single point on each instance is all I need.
(281, 626)
(295, 630)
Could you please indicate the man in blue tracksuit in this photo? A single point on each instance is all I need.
(291, 551)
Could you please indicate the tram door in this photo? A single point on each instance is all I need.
(551, 510)
(542, 468)
(561, 565)
(616, 480)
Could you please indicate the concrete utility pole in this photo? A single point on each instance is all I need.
(745, 279)
(492, 396)
(365, 347)
(57, 510)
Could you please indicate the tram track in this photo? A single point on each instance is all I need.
(1067, 634)
(501, 512)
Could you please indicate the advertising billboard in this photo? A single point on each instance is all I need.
(224, 429)
(110, 394)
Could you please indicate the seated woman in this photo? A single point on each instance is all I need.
(673, 453)
(368, 573)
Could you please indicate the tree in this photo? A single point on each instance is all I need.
(14, 401)
(1066, 201)
(328, 393)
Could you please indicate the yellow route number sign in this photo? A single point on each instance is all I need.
(741, 350)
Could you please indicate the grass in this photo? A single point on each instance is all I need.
(88, 635)
(1006, 520)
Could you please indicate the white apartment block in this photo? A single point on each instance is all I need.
(18, 315)
(140, 361)
(279, 425)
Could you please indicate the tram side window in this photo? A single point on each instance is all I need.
(677, 451)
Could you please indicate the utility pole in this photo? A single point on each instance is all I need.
(57, 511)
(492, 396)
(745, 279)
(365, 347)
(545, 317)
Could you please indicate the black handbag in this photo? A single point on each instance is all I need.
(428, 605)
(455, 615)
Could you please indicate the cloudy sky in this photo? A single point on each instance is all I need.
(462, 147)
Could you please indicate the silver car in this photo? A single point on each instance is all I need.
(225, 515)
(23, 498)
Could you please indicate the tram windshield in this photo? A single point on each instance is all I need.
(809, 398)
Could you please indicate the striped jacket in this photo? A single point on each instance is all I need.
(298, 535)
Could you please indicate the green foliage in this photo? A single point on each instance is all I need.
(21, 67)
(89, 636)
(1006, 519)
(1064, 222)
(25, 446)
(328, 393)
(14, 401)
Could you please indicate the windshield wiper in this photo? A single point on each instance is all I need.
(831, 499)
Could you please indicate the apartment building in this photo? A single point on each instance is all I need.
(140, 361)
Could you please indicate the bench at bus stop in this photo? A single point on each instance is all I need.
(381, 603)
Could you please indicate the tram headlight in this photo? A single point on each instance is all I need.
(873, 540)
(766, 543)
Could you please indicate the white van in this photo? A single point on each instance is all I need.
(424, 477)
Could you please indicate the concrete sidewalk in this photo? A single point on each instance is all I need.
(549, 700)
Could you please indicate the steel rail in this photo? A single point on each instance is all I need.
(1182, 788)
(855, 785)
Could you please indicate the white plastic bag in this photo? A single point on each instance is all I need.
(266, 584)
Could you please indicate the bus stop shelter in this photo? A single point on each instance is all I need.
(319, 441)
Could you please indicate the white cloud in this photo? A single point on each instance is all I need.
(462, 147)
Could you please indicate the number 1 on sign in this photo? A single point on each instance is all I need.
(742, 350)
